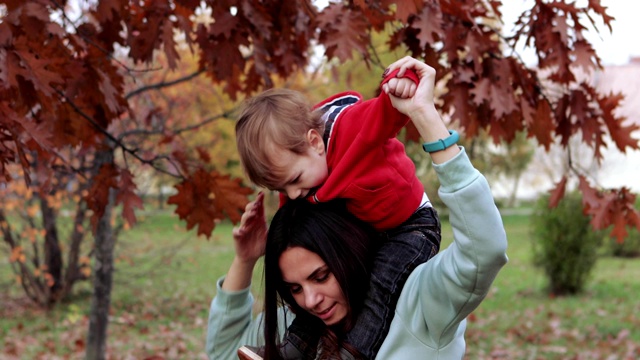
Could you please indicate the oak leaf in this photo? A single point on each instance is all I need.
(620, 132)
(343, 31)
(97, 197)
(430, 24)
(128, 197)
(206, 197)
(557, 193)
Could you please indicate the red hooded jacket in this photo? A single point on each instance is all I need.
(368, 166)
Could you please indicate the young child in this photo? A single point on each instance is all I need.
(346, 148)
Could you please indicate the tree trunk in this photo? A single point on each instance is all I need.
(514, 191)
(77, 235)
(103, 275)
(52, 251)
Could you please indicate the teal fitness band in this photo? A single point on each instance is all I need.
(442, 144)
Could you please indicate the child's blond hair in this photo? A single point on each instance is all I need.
(280, 117)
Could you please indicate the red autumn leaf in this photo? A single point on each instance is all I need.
(429, 22)
(230, 196)
(343, 32)
(584, 55)
(128, 197)
(406, 8)
(557, 193)
(106, 10)
(97, 196)
(620, 132)
(613, 207)
(203, 154)
(225, 22)
(624, 213)
(34, 69)
(542, 125)
(206, 197)
(169, 44)
(590, 196)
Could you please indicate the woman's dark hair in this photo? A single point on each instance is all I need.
(344, 243)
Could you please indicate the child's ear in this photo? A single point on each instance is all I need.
(315, 141)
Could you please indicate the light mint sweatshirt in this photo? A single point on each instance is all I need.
(429, 321)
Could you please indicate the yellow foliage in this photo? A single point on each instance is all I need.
(49, 279)
(16, 252)
(32, 210)
(55, 201)
(85, 270)
(84, 260)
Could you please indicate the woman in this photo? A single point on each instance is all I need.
(429, 320)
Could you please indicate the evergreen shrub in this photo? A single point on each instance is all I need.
(565, 246)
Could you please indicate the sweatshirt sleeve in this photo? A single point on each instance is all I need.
(446, 289)
(377, 119)
(231, 323)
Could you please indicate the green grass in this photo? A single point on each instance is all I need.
(165, 280)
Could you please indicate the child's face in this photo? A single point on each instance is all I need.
(301, 172)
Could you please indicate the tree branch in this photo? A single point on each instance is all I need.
(163, 84)
(116, 141)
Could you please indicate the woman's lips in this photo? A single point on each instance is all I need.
(327, 313)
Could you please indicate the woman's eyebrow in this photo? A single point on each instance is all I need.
(311, 276)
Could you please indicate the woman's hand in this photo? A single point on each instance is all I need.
(250, 237)
(421, 107)
(423, 99)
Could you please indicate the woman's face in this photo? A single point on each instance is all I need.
(312, 285)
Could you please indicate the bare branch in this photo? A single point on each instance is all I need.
(163, 84)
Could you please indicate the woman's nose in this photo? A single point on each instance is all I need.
(311, 298)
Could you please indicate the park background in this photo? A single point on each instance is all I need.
(164, 277)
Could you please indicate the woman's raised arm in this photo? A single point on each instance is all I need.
(249, 239)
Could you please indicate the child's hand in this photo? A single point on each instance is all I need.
(250, 237)
(402, 88)
(422, 100)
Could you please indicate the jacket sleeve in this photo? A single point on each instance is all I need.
(378, 119)
(231, 324)
(446, 289)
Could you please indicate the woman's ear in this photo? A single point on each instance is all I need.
(315, 141)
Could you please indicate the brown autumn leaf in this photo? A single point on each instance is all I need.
(405, 8)
(430, 24)
(557, 193)
(98, 195)
(206, 197)
(620, 132)
(343, 31)
(128, 197)
(230, 196)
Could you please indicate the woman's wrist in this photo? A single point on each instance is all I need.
(239, 274)
(429, 124)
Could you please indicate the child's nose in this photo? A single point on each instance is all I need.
(293, 193)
